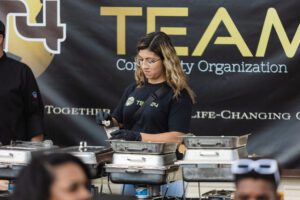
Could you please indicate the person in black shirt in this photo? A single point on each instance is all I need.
(21, 107)
(168, 115)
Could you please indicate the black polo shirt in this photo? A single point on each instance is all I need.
(21, 106)
(165, 114)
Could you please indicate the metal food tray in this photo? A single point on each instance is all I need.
(20, 152)
(33, 144)
(94, 157)
(207, 173)
(10, 172)
(218, 194)
(225, 142)
(144, 160)
(90, 154)
(121, 146)
(142, 175)
(215, 155)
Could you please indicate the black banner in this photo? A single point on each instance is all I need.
(241, 59)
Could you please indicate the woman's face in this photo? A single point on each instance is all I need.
(70, 183)
(151, 65)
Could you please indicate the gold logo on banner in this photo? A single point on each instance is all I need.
(34, 31)
(272, 23)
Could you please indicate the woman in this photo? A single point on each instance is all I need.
(159, 74)
(53, 177)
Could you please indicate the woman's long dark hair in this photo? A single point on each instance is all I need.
(35, 180)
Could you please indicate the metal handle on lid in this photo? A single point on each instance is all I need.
(137, 160)
(207, 154)
(47, 143)
(136, 149)
(210, 144)
(82, 146)
(132, 171)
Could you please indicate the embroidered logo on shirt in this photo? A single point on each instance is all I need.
(154, 104)
(141, 103)
(129, 101)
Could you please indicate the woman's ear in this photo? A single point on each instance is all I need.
(1, 40)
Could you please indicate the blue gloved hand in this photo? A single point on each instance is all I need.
(127, 135)
(103, 116)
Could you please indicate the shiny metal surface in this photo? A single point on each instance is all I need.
(134, 147)
(214, 155)
(17, 155)
(225, 142)
(90, 154)
(142, 175)
(209, 158)
(20, 152)
(144, 160)
(207, 173)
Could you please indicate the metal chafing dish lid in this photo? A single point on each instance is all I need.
(89, 154)
(225, 142)
(29, 145)
(135, 169)
(138, 142)
(21, 152)
(214, 155)
(138, 147)
(87, 149)
(144, 160)
(201, 162)
(190, 135)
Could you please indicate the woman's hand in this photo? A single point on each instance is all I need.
(127, 135)
(37, 138)
(102, 117)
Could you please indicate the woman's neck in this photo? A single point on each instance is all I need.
(156, 81)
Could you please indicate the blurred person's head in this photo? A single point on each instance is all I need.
(256, 179)
(53, 177)
(2, 35)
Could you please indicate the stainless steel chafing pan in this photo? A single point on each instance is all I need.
(229, 142)
(121, 146)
